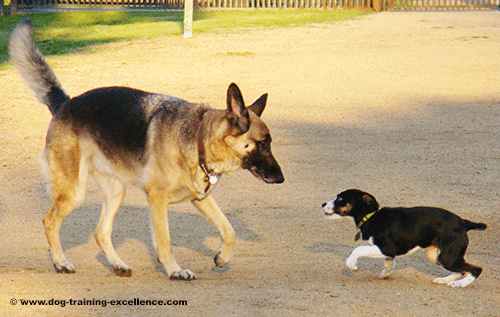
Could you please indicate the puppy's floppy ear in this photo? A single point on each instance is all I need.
(258, 106)
(237, 114)
(371, 202)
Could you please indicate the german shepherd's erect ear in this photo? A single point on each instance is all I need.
(258, 106)
(238, 115)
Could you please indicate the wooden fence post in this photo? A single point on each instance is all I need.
(188, 18)
(377, 5)
(13, 7)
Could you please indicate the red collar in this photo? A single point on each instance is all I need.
(211, 178)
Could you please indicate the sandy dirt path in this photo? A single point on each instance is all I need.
(405, 105)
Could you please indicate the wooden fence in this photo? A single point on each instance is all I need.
(285, 4)
(201, 4)
(150, 4)
(442, 4)
(377, 5)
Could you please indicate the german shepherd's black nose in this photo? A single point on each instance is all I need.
(262, 164)
(275, 179)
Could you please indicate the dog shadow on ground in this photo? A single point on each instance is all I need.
(417, 261)
(186, 229)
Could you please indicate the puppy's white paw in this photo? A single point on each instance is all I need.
(464, 282)
(351, 263)
(385, 274)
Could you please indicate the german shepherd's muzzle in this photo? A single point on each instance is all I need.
(172, 149)
(262, 164)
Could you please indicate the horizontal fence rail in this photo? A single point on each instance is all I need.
(153, 4)
(284, 4)
(377, 5)
(203, 4)
(442, 4)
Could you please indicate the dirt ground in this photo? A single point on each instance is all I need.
(404, 105)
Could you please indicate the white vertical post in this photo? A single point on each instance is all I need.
(188, 18)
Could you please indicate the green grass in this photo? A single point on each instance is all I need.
(69, 32)
(225, 20)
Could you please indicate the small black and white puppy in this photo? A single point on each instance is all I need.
(400, 231)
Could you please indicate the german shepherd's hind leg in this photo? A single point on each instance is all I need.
(52, 223)
(113, 191)
(159, 217)
(208, 207)
(68, 175)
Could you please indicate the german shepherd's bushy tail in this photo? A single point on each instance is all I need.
(33, 68)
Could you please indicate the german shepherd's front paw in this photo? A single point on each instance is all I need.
(220, 262)
(185, 275)
(122, 271)
(221, 269)
(65, 267)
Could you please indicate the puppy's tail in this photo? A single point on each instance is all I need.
(469, 225)
(33, 68)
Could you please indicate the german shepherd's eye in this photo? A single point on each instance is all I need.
(264, 144)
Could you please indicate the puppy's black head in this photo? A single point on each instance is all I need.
(352, 202)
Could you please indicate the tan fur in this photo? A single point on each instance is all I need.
(168, 174)
(432, 253)
(166, 146)
(344, 210)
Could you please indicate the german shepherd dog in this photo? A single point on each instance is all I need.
(172, 149)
